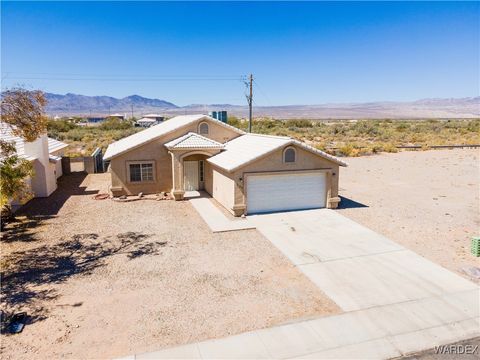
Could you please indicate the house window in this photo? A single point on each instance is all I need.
(140, 172)
(203, 129)
(289, 155)
(201, 170)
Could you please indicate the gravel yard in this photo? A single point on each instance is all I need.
(103, 279)
(427, 201)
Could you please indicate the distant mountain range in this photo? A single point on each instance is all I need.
(73, 104)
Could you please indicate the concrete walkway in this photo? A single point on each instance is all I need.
(395, 301)
(214, 217)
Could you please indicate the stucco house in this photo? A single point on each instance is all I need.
(44, 153)
(246, 173)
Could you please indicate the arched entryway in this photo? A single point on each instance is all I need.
(194, 172)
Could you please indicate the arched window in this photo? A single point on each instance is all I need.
(289, 155)
(203, 128)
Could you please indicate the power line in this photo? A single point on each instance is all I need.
(263, 92)
(120, 79)
(128, 75)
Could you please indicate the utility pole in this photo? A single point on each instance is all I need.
(250, 101)
(132, 109)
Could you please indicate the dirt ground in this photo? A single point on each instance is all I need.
(102, 279)
(427, 201)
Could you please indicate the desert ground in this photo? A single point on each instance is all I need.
(103, 279)
(428, 201)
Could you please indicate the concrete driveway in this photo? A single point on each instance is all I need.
(395, 301)
(354, 266)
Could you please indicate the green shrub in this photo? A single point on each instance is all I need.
(59, 126)
(115, 124)
(298, 123)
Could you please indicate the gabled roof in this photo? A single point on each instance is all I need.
(156, 131)
(246, 149)
(7, 135)
(193, 141)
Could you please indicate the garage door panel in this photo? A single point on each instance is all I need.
(277, 192)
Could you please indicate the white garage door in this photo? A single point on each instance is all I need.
(278, 192)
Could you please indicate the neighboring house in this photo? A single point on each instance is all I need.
(246, 173)
(95, 119)
(147, 122)
(156, 117)
(150, 120)
(117, 116)
(46, 156)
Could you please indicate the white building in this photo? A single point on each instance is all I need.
(149, 120)
(46, 156)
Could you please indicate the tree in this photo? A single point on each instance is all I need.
(13, 174)
(23, 110)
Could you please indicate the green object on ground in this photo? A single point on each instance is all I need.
(476, 246)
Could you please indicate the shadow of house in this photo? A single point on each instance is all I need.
(37, 210)
(347, 203)
(68, 186)
(26, 274)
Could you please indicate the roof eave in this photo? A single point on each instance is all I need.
(59, 148)
(241, 132)
(291, 142)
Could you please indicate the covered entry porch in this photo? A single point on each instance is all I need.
(189, 154)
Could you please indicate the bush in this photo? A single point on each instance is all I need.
(59, 126)
(298, 123)
(390, 148)
(115, 124)
(347, 150)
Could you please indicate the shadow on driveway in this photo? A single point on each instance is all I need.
(347, 203)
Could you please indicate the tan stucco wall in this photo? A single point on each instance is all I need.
(223, 188)
(273, 162)
(155, 151)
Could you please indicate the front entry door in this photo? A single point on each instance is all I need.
(190, 170)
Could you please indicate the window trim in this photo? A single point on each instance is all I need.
(140, 162)
(285, 152)
(200, 126)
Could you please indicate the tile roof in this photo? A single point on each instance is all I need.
(250, 147)
(193, 141)
(156, 131)
(6, 134)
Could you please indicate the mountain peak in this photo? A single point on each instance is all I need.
(75, 103)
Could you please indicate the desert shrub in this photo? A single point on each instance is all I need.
(320, 146)
(364, 128)
(389, 147)
(237, 122)
(347, 150)
(115, 124)
(59, 126)
(75, 134)
(298, 123)
(338, 129)
(402, 127)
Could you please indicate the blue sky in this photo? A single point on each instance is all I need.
(299, 53)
